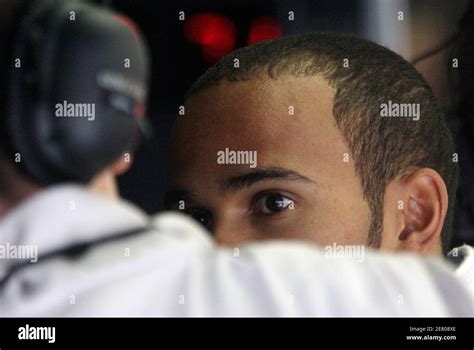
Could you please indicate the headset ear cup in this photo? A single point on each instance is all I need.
(19, 101)
(24, 96)
(21, 125)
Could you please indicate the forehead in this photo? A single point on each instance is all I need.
(288, 121)
(269, 98)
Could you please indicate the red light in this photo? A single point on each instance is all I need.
(138, 111)
(216, 34)
(264, 28)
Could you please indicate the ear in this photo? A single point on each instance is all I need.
(105, 183)
(122, 164)
(421, 216)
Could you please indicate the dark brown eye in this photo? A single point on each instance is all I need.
(272, 203)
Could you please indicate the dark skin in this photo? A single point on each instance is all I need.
(304, 186)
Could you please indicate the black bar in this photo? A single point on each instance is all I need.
(311, 333)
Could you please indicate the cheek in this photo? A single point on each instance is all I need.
(320, 224)
(339, 218)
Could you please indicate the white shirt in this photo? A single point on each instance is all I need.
(463, 257)
(175, 269)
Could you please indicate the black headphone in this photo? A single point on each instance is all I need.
(77, 91)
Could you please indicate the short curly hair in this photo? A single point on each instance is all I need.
(382, 148)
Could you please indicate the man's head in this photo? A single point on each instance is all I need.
(61, 121)
(333, 163)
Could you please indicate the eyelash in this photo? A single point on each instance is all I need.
(258, 197)
(254, 202)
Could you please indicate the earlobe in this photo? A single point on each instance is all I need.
(105, 182)
(426, 202)
(123, 164)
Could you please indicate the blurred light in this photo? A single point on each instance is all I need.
(129, 23)
(216, 34)
(264, 28)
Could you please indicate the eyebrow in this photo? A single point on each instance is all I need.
(236, 183)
